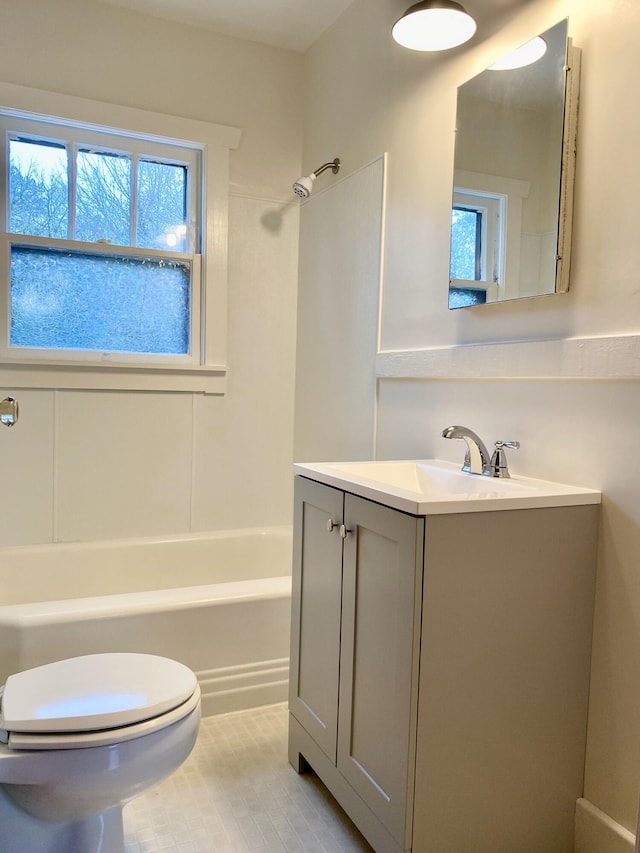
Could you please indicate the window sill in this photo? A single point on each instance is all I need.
(205, 379)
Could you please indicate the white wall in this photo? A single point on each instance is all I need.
(368, 95)
(338, 300)
(84, 465)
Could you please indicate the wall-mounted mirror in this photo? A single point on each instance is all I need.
(513, 177)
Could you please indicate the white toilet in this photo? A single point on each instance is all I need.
(79, 738)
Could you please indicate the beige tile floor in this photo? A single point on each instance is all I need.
(236, 793)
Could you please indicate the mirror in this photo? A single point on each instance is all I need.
(513, 178)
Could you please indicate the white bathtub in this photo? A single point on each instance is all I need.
(217, 602)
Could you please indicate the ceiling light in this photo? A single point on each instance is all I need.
(434, 25)
(526, 54)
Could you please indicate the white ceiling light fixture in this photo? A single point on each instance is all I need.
(526, 54)
(434, 25)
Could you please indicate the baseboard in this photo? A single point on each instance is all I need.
(235, 688)
(596, 832)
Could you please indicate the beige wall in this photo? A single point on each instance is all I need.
(83, 465)
(95, 50)
(367, 95)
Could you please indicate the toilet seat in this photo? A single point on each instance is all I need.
(94, 700)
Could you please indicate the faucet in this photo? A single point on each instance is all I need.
(476, 459)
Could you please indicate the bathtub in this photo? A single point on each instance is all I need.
(217, 602)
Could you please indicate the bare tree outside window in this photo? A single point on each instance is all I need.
(66, 298)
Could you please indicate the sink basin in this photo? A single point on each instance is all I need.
(428, 479)
(430, 486)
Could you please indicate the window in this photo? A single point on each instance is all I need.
(486, 237)
(103, 239)
(466, 243)
(106, 255)
(476, 239)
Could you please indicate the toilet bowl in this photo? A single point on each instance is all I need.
(79, 738)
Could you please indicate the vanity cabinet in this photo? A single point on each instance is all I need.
(440, 669)
(356, 596)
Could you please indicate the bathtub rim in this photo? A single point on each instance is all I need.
(184, 596)
(284, 530)
(149, 601)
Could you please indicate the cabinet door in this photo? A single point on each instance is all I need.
(382, 567)
(315, 616)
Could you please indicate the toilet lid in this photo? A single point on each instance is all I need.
(94, 692)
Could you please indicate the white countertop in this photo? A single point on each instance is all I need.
(434, 487)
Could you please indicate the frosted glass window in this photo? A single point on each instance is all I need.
(38, 188)
(161, 206)
(103, 198)
(103, 233)
(461, 297)
(466, 247)
(73, 301)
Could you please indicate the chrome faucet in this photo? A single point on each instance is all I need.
(476, 459)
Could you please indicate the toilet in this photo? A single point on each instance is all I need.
(81, 737)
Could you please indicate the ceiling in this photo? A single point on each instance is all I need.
(293, 24)
(290, 24)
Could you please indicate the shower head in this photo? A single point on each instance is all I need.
(303, 186)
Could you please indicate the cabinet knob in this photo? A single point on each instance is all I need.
(344, 531)
(331, 525)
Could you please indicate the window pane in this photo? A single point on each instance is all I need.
(461, 297)
(38, 200)
(464, 244)
(103, 198)
(162, 219)
(110, 304)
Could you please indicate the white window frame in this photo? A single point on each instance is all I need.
(492, 212)
(509, 194)
(205, 369)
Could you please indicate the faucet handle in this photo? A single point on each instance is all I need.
(499, 467)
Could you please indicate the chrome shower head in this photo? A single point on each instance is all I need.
(303, 186)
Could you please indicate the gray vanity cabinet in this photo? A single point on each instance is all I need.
(316, 613)
(440, 669)
(356, 624)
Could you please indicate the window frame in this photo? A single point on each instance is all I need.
(509, 194)
(204, 369)
(490, 208)
(79, 139)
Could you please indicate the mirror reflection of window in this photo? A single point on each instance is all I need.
(466, 243)
(509, 152)
(463, 297)
(477, 238)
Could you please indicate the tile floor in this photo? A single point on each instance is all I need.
(236, 793)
